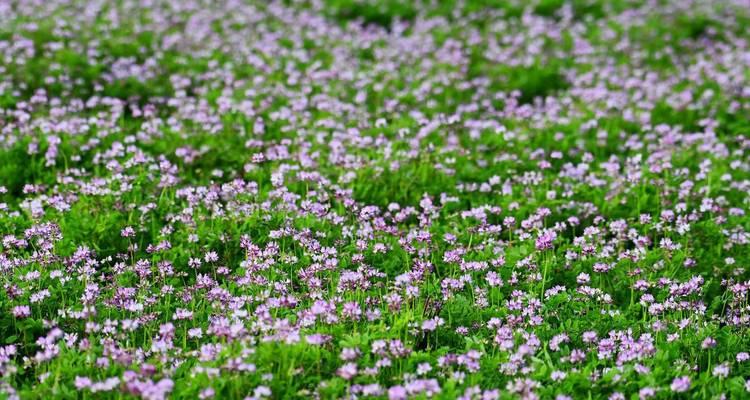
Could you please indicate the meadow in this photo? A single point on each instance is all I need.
(374, 199)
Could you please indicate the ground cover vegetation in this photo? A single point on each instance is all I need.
(354, 199)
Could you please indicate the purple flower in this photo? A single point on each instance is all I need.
(708, 343)
(680, 384)
(21, 311)
(544, 241)
(397, 393)
(347, 371)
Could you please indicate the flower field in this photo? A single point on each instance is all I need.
(361, 199)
